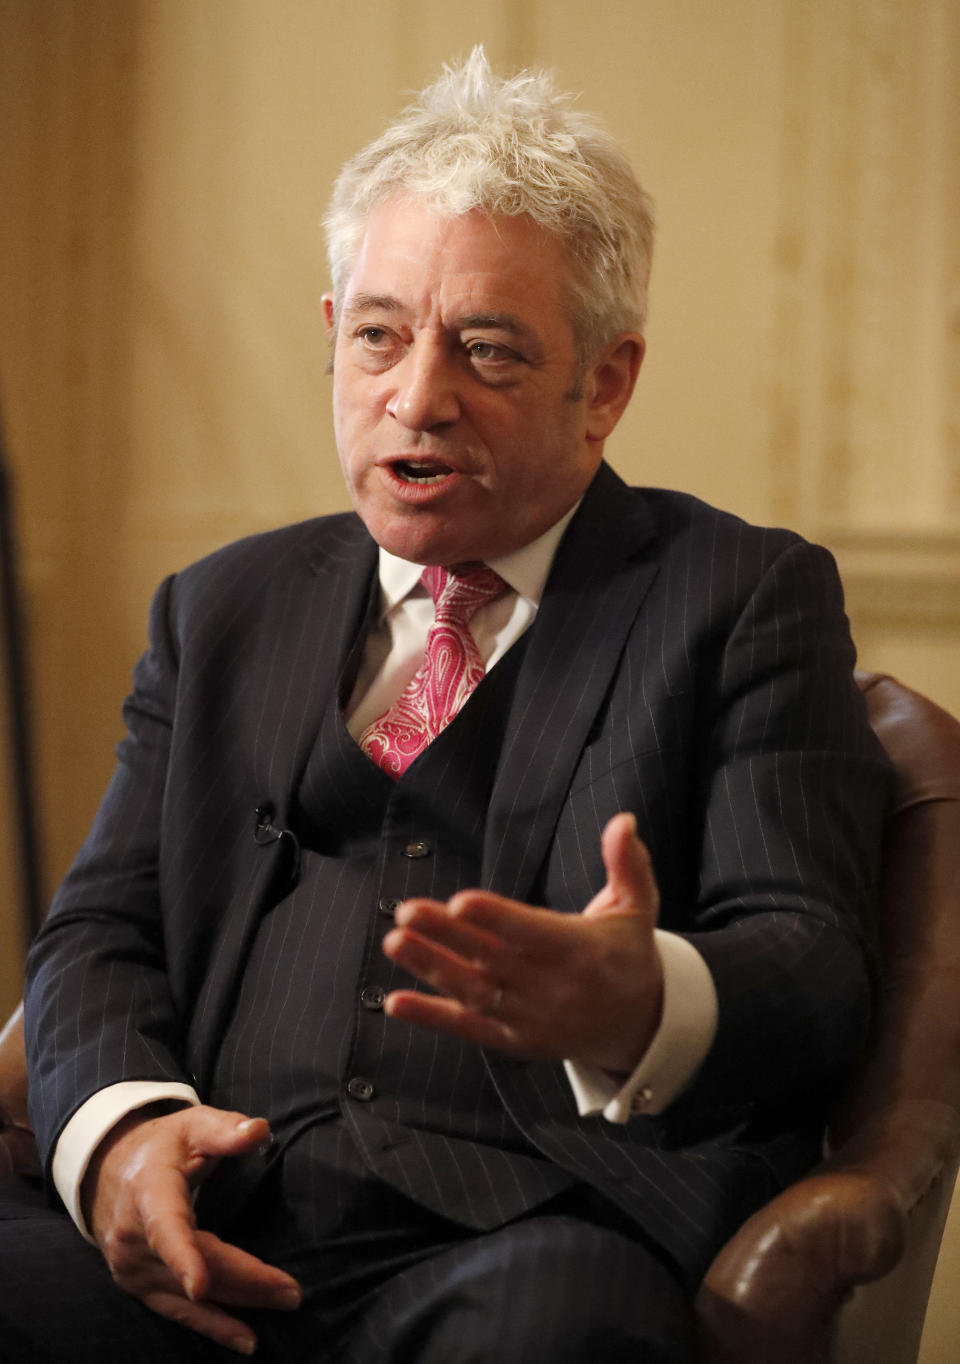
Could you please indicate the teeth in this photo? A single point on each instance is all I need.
(407, 473)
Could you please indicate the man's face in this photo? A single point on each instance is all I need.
(454, 372)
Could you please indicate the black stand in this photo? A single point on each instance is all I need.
(22, 831)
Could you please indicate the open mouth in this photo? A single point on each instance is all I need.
(421, 472)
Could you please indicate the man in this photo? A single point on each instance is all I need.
(362, 944)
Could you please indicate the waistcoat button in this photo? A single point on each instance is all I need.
(388, 906)
(416, 849)
(359, 1088)
(372, 997)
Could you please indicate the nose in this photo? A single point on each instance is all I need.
(425, 395)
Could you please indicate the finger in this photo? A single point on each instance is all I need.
(442, 924)
(452, 1017)
(235, 1279)
(468, 981)
(169, 1230)
(206, 1319)
(238, 1279)
(631, 886)
(521, 928)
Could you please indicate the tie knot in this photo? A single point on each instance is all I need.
(459, 594)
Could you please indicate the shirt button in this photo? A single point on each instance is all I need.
(641, 1099)
(360, 1089)
(415, 849)
(388, 906)
(372, 997)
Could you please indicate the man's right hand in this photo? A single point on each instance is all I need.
(137, 1201)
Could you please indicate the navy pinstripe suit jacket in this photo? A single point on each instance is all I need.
(683, 665)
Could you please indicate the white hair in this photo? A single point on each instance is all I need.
(514, 147)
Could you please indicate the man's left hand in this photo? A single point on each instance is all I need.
(534, 982)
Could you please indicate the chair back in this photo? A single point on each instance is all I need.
(912, 1071)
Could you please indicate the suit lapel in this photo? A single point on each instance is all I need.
(313, 618)
(601, 573)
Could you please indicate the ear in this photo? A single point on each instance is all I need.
(329, 319)
(608, 383)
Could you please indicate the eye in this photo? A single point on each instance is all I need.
(374, 337)
(489, 353)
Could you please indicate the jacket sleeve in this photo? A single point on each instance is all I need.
(98, 1002)
(793, 788)
(735, 732)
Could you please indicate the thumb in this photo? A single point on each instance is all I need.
(631, 886)
(212, 1132)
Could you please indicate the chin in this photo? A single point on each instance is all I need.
(418, 549)
(418, 541)
(429, 553)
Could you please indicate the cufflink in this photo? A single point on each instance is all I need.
(641, 1099)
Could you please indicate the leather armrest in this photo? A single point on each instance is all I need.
(775, 1289)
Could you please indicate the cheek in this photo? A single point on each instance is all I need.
(345, 431)
(357, 403)
(348, 416)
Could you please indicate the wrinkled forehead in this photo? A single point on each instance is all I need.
(406, 227)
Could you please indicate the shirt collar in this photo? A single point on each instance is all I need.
(525, 570)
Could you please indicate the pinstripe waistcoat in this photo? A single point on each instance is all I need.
(308, 1042)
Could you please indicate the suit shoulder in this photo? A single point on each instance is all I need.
(687, 544)
(271, 552)
(698, 542)
(680, 514)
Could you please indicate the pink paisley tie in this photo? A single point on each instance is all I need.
(450, 670)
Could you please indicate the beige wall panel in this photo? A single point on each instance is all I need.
(865, 373)
(919, 654)
(941, 1333)
(66, 194)
(691, 90)
(903, 596)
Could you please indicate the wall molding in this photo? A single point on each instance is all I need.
(900, 579)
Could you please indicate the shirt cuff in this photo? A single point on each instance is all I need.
(91, 1123)
(687, 1028)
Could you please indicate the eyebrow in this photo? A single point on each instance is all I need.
(366, 303)
(504, 322)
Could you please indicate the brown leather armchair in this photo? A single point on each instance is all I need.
(787, 1289)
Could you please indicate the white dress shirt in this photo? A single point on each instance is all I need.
(393, 652)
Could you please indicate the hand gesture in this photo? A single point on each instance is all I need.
(536, 983)
(136, 1198)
